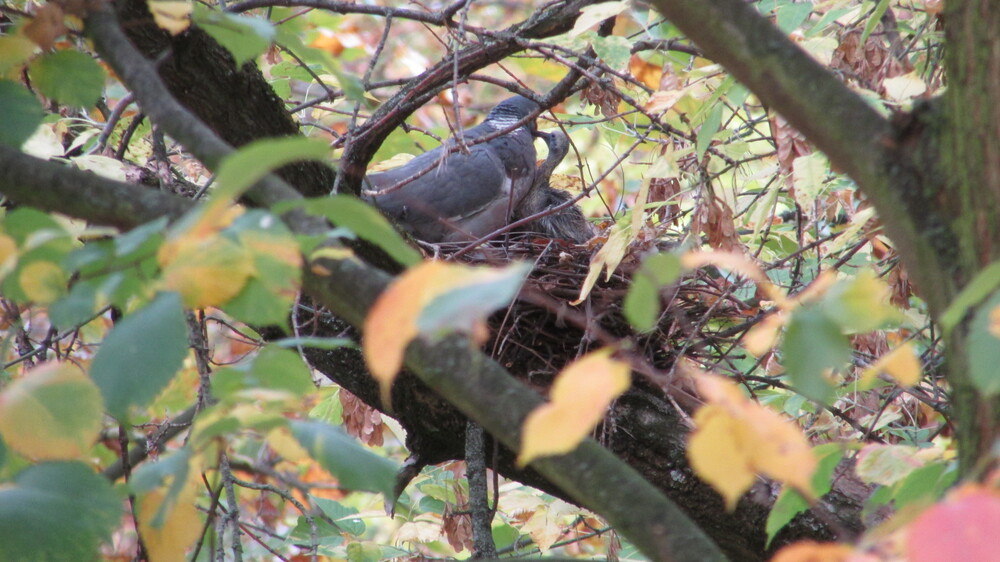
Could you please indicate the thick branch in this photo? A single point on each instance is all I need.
(140, 76)
(54, 187)
(855, 137)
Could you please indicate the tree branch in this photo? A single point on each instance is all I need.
(855, 137)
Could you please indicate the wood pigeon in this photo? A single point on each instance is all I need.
(567, 224)
(449, 195)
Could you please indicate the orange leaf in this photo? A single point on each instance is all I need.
(810, 551)
(398, 315)
(580, 396)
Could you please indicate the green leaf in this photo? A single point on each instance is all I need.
(141, 354)
(316, 343)
(860, 304)
(642, 302)
(341, 515)
(791, 16)
(973, 293)
(790, 503)
(355, 467)
(257, 305)
(267, 297)
(924, 485)
(281, 369)
(20, 114)
(75, 308)
(362, 219)
(708, 129)
(984, 348)
(245, 37)
(245, 167)
(57, 511)
(172, 469)
(614, 50)
(813, 343)
(353, 88)
(873, 20)
(69, 77)
(456, 309)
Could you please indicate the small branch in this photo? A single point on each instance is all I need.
(479, 505)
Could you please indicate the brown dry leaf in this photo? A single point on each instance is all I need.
(899, 281)
(871, 63)
(457, 524)
(47, 25)
(605, 99)
(720, 228)
(811, 551)
(361, 420)
(790, 144)
(665, 190)
(735, 439)
(645, 72)
(579, 398)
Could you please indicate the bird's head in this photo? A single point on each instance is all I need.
(512, 110)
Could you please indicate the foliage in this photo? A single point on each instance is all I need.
(165, 326)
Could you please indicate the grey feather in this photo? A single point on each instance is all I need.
(464, 195)
(566, 224)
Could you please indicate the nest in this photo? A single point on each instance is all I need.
(541, 332)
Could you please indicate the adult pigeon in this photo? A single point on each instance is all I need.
(450, 195)
(565, 224)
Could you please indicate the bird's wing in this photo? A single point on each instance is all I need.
(453, 190)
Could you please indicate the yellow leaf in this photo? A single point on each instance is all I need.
(168, 529)
(394, 162)
(608, 257)
(393, 321)
(206, 272)
(547, 523)
(761, 338)
(8, 254)
(901, 364)
(52, 412)
(713, 449)
(421, 532)
(579, 398)
(736, 438)
(171, 15)
(43, 281)
(281, 440)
